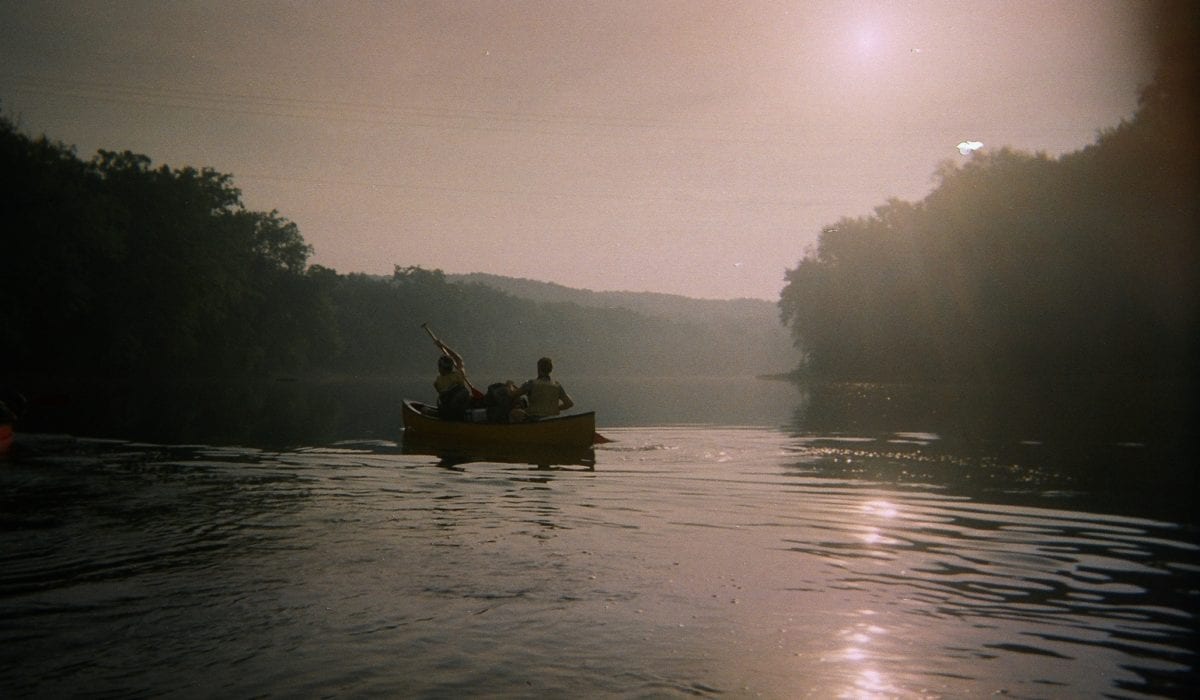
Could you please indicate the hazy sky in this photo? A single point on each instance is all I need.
(689, 147)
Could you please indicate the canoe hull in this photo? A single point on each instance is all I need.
(576, 430)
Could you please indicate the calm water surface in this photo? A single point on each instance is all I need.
(851, 541)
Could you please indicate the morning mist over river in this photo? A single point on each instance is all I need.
(570, 350)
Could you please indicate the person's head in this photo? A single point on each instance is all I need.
(545, 367)
(445, 365)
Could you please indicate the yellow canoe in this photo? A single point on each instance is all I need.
(575, 430)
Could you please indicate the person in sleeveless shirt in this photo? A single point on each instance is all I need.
(546, 396)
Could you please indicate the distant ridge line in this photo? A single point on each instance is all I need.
(673, 306)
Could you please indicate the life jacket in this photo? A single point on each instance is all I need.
(543, 397)
(445, 382)
(453, 397)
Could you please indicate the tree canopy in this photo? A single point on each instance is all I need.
(116, 268)
(1020, 265)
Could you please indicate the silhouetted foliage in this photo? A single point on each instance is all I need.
(114, 267)
(1019, 264)
(502, 335)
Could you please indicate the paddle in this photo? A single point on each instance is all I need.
(458, 361)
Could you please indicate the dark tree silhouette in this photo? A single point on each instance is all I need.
(1020, 265)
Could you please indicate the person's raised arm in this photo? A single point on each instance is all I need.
(454, 357)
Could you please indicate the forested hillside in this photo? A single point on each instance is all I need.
(502, 335)
(748, 327)
(114, 268)
(1021, 265)
(648, 303)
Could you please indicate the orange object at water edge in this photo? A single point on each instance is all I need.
(6, 437)
(576, 430)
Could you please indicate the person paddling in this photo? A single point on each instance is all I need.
(546, 396)
(454, 389)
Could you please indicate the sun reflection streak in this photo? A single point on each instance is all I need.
(872, 681)
(883, 509)
(864, 680)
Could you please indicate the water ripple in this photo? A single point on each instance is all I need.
(689, 562)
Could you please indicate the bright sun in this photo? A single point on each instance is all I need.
(865, 39)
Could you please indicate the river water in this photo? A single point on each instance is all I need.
(737, 538)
